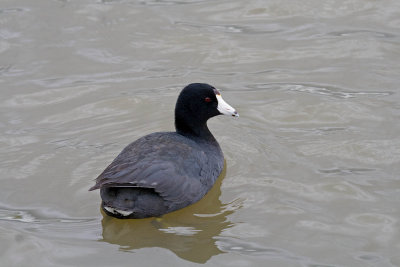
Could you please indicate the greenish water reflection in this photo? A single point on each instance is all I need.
(191, 233)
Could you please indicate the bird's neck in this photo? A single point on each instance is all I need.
(193, 128)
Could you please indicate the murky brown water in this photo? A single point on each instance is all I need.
(312, 165)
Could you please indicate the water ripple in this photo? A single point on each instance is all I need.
(366, 32)
(319, 89)
(233, 28)
(38, 217)
(48, 97)
(335, 92)
(14, 10)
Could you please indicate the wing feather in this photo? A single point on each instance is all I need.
(152, 162)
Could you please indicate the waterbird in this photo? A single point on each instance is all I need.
(166, 171)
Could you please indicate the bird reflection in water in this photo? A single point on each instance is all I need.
(191, 233)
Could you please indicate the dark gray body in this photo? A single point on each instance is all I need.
(160, 173)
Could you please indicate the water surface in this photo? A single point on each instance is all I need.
(312, 165)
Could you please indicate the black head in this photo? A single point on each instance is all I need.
(197, 103)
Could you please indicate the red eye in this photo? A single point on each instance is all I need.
(207, 99)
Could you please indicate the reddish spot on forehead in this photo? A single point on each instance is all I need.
(216, 92)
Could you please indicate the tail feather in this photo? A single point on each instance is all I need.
(132, 202)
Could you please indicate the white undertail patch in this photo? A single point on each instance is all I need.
(117, 211)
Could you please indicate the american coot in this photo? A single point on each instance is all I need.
(165, 171)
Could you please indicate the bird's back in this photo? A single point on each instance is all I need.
(159, 173)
